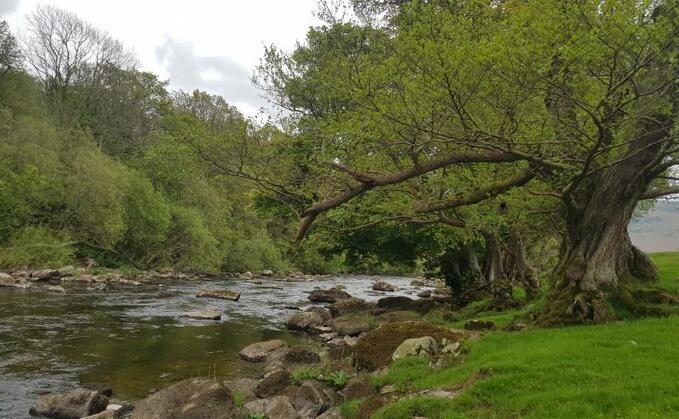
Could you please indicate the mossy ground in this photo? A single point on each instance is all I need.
(625, 369)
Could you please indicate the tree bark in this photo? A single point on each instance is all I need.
(597, 254)
(495, 274)
(517, 268)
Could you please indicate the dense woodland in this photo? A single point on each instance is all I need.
(500, 144)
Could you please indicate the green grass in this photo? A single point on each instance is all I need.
(668, 268)
(618, 370)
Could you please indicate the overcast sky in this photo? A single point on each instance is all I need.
(212, 45)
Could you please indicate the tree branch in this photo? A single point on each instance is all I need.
(482, 194)
(659, 193)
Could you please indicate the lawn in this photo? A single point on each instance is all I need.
(618, 370)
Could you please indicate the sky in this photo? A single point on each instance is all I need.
(212, 45)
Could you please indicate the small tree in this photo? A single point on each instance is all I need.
(58, 46)
(10, 54)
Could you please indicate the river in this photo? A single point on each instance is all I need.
(133, 339)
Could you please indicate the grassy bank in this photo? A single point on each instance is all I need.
(623, 369)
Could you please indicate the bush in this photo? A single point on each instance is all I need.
(37, 247)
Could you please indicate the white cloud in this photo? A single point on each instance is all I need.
(221, 41)
(8, 6)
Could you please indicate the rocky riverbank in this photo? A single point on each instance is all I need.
(94, 278)
(351, 341)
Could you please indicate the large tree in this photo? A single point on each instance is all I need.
(439, 106)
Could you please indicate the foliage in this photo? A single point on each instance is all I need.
(34, 247)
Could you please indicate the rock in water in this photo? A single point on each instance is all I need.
(195, 398)
(76, 404)
(328, 296)
(425, 346)
(259, 351)
(308, 320)
(350, 306)
(383, 286)
(221, 294)
(204, 315)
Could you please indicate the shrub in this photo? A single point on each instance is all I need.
(37, 247)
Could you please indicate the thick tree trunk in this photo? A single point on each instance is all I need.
(597, 254)
(517, 268)
(495, 274)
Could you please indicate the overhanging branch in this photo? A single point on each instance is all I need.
(376, 181)
(482, 194)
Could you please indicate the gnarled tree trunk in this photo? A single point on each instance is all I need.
(597, 254)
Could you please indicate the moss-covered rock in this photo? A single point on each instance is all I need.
(375, 349)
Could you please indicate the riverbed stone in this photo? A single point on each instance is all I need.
(350, 306)
(258, 352)
(290, 357)
(309, 320)
(245, 387)
(45, 275)
(204, 315)
(220, 294)
(273, 384)
(195, 398)
(278, 407)
(424, 346)
(350, 326)
(312, 398)
(106, 414)
(55, 288)
(358, 388)
(331, 295)
(383, 286)
(75, 404)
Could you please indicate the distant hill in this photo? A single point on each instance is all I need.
(657, 231)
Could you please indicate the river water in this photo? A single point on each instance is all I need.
(133, 339)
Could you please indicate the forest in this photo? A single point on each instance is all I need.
(501, 147)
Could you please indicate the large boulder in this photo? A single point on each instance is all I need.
(273, 384)
(308, 320)
(312, 398)
(374, 350)
(425, 346)
(278, 407)
(259, 351)
(401, 303)
(195, 398)
(6, 280)
(289, 357)
(383, 286)
(45, 275)
(396, 303)
(358, 388)
(350, 306)
(75, 404)
(243, 387)
(350, 327)
(331, 295)
(220, 294)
